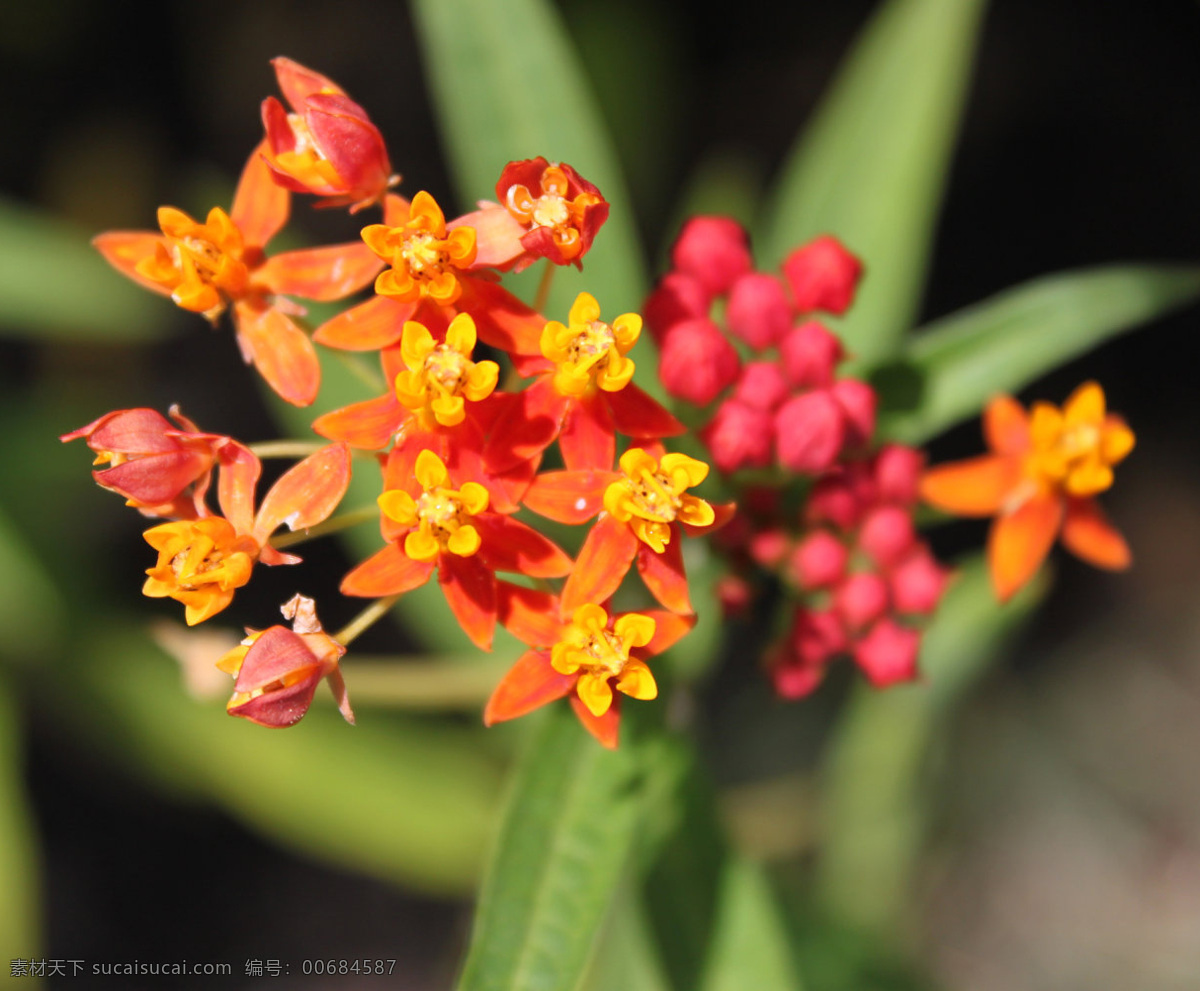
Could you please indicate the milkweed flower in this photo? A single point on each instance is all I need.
(277, 670)
(208, 267)
(151, 461)
(545, 210)
(1040, 482)
(327, 145)
(433, 523)
(592, 657)
(202, 562)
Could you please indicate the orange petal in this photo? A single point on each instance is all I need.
(603, 562)
(501, 319)
(281, 352)
(527, 428)
(529, 614)
(1019, 542)
(306, 493)
(470, 590)
(386, 572)
(497, 236)
(238, 476)
(1006, 426)
(377, 323)
(588, 438)
(636, 414)
(1088, 534)
(510, 545)
(571, 497)
(669, 628)
(605, 728)
(323, 274)
(124, 250)
(260, 207)
(664, 575)
(298, 82)
(974, 487)
(529, 684)
(368, 425)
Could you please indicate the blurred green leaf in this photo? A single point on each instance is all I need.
(397, 798)
(872, 788)
(508, 86)
(19, 902)
(557, 862)
(626, 958)
(54, 285)
(954, 366)
(750, 947)
(871, 166)
(31, 609)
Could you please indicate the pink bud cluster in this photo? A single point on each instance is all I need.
(860, 580)
(785, 405)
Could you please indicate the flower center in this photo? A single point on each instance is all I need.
(200, 563)
(550, 210)
(446, 367)
(423, 254)
(588, 352)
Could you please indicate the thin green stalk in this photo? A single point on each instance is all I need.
(331, 525)
(286, 448)
(365, 620)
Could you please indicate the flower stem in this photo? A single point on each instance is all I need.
(286, 448)
(419, 683)
(543, 289)
(331, 525)
(365, 619)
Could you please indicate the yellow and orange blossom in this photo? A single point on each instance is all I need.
(588, 352)
(599, 655)
(441, 378)
(652, 494)
(425, 258)
(1039, 482)
(440, 516)
(200, 563)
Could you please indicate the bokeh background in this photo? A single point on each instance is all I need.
(1056, 828)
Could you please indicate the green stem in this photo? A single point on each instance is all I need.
(331, 525)
(286, 448)
(409, 683)
(372, 379)
(365, 619)
(543, 289)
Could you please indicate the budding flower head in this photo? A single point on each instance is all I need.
(822, 275)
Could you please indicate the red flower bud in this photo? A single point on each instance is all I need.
(861, 599)
(739, 436)
(810, 354)
(819, 561)
(888, 653)
(713, 250)
(857, 401)
(769, 547)
(887, 535)
(810, 431)
(762, 386)
(697, 361)
(897, 471)
(917, 583)
(758, 311)
(677, 297)
(799, 666)
(734, 594)
(822, 276)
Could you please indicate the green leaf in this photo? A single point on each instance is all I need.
(398, 798)
(558, 860)
(626, 958)
(507, 86)
(953, 367)
(54, 285)
(19, 902)
(872, 796)
(750, 947)
(31, 609)
(870, 169)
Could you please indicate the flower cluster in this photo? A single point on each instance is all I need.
(859, 580)
(548, 422)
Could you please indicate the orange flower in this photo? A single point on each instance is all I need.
(202, 562)
(425, 258)
(327, 146)
(208, 267)
(432, 524)
(589, 657)
(1039, 482)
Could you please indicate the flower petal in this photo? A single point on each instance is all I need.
(571, 497)
(664, 575)
(368, 425)
(324, 274)
(387, 572)
(588, 439)
(529, 684)
(501, 319)
(281, 352)
(1019, 542)
(603, 562)
(510, 545)
(669, 628)
(604, 728)
(306, 493)
(529, 614)
(973, 487)
(377, 323)
(125, 250)
(470, 590)
(1006, 426)
(636, 414)
(260, 207)
(1088, 534)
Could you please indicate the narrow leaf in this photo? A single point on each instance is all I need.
(557, 862)
(953, 367)
(54, 285)
(19, 908)
(870, 169)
